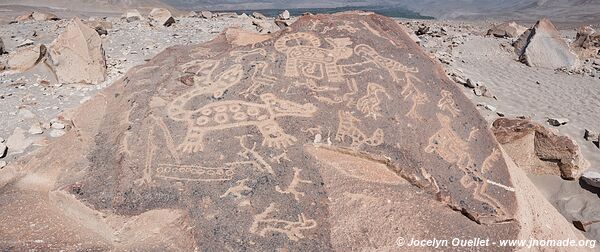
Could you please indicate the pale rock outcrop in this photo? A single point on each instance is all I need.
(206, 14)
(2, 49)
(538, 150)
(507, 30)
(37, 16)
(543, 46)
(132, 15)
(77, 56)
(285, 15)
(26, 58)
(161, 16)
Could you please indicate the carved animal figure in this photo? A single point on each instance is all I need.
(347, 128)
(235, 113)
(310, 59)
(392, 66)
(264, 224)
(369, 104)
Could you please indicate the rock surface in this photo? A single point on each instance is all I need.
(213, 147)
(161, 16)
(77, 55)
(542, 46)
(537, 150)
(132, 15)
(507, 30)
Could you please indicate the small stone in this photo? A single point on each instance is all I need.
(590, 135)
(56, 133)
(3, 164)
(36, 129)
(57, 125)
(470, 84)
(2, 140)
(591, 178)
(490, 108)
(3, 150)
(557, 121)
(285, 15)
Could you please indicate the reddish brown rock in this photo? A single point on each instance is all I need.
(537, 150)
(336, 134)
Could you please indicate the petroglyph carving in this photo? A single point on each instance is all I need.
(449, 145)
(250, 153)
(292, 188)
(240, 55)
(369, 104)
(345, 26)
(237, 190)
(199, 173)
(347, 128)
(307, 58)
(476, 180)
(235, 113)
(418, 98)
(393, 67)
(259, 78)
(264, 224)
(280, 157)
(447, 103)
(201, 72)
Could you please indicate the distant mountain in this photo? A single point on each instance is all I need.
(88, 5)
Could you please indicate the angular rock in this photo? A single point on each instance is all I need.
(591, 178)
(41, 16)
(585, 37)
(230, 163)
(161, 16)
(36, 129)
(507, 30)
(2, 49)
(285, 15)
(206, 14)
(543, 46)
(263, 26)
(25, 17)
(3, 150)
(258, 15)
(132, 15)
(589, 135)
(26, 58)
(537, 150)
(77, 56)
(557, 121)
(282, 24)
(101, 27)
(227, 14)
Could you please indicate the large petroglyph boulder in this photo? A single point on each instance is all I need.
(543, 46)
(338, 133)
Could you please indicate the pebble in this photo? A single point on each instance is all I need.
(57, 133)
(3, 150)
(557, 121)
(57, 125)
(36, 129)
(590, 135)
(2, 164)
